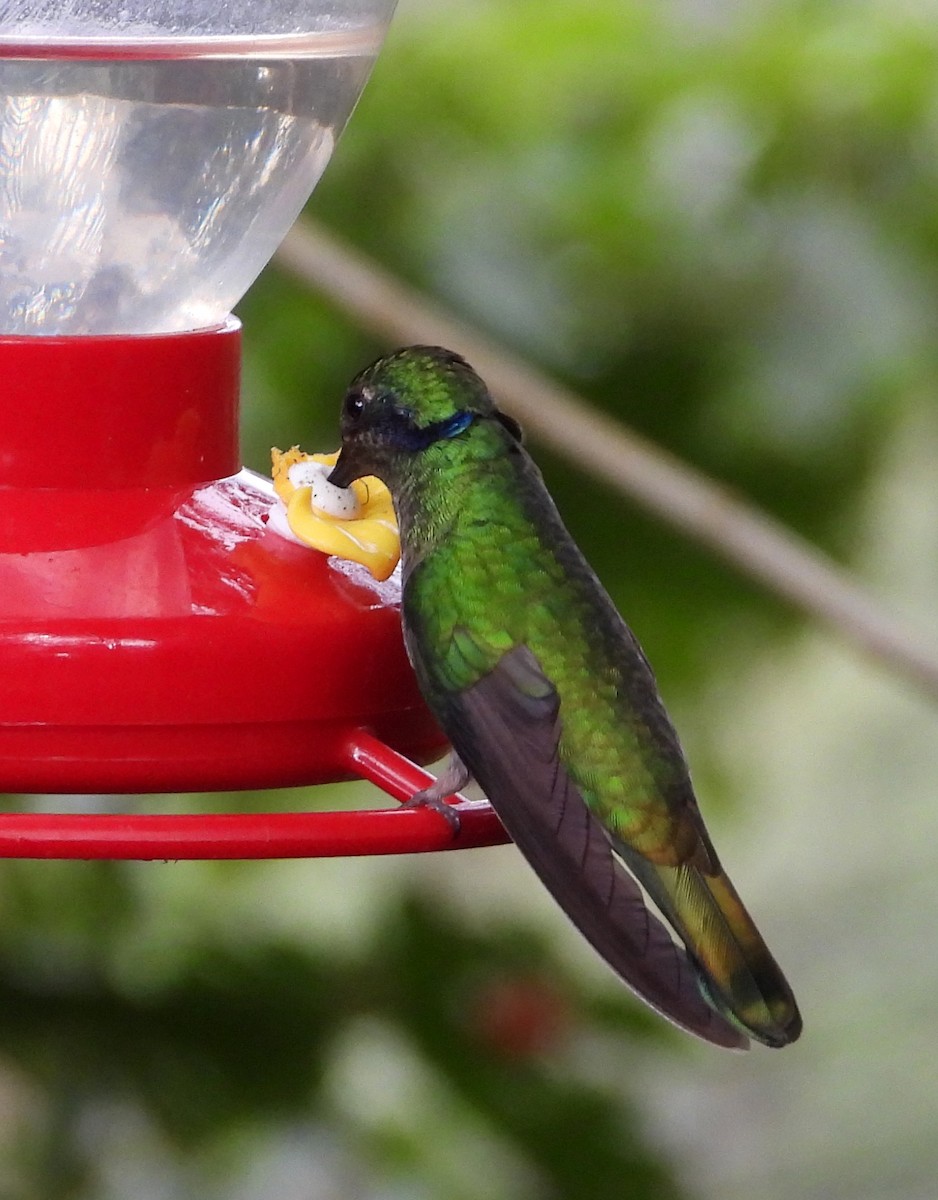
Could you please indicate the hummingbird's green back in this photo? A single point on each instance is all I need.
(489, 566)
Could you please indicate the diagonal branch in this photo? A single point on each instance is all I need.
(707, 512)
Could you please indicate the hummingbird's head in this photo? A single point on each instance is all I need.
(405, 403)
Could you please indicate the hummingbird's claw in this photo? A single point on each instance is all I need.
(422, 800)
(453, 777)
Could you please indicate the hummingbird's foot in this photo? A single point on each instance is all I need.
(454, 776)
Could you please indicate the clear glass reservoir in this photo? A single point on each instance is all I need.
(154, 153)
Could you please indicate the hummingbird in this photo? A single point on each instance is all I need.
(549, 702)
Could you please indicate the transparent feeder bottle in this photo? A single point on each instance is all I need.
(154, 154)
(155, 635)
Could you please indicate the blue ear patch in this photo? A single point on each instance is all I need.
(455, 425)
(450, 427)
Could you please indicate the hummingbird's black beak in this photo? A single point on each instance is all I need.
(345, 469)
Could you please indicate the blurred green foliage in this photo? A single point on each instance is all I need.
(716, 221)
(226, 1043)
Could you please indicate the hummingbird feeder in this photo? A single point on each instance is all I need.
(156, 635)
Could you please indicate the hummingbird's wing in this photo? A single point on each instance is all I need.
(506, 729)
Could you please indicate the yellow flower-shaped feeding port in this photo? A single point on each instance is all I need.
(357, 523)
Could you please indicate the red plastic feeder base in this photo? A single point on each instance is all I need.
(155, 636)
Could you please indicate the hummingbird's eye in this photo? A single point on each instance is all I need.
(354, 405)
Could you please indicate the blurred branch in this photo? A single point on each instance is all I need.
(707, 512)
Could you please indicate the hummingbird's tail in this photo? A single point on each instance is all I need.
(506, 729)
(737, 973)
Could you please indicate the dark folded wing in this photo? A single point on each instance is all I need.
(506, 729)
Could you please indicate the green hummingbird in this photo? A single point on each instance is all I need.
(549, 701)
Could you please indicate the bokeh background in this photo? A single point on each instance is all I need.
(718, 221)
